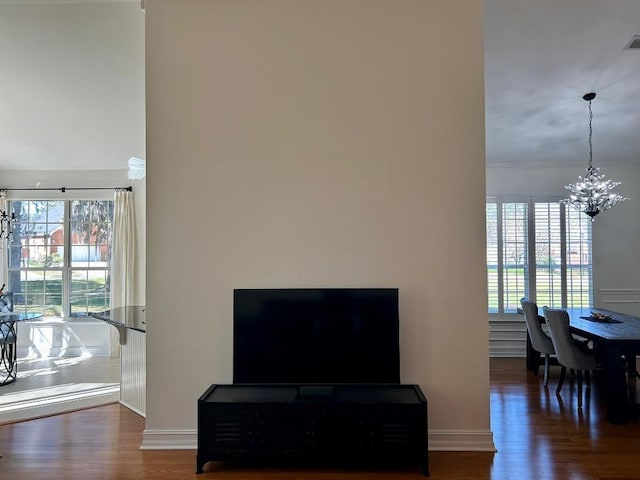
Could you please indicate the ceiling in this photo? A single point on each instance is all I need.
(72, 84)
(541, 57)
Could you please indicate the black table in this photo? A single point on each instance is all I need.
(613, 342)
(9, 344)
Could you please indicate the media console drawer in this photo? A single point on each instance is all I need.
(368, 425)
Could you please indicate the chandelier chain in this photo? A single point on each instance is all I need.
(590, 136)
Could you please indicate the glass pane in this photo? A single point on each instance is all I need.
(515, 259)
(91, 223)
(53, 306)
(37, 235)
(52, 302)
(16, 257)
(34, 281)
(89, 291)
(19, 304)
(579, 260)
(492, 257)
(548, 253)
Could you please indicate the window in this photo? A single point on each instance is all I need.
(540, 250)
(59, 256)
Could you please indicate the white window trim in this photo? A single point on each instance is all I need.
(67, 270)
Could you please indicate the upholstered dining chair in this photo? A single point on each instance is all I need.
(568, 352)
(540, 341)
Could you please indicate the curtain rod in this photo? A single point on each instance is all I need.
(64, 189)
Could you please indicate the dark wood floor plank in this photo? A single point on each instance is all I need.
(538, 436)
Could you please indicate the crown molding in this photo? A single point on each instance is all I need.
(538, 165)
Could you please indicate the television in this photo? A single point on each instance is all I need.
(316, 335)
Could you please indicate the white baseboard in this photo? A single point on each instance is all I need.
(169, 440)
(439, 440)
(461, 441)
(61, 403)
(133, 408)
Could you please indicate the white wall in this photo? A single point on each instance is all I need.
(54, 337)
(316, 143)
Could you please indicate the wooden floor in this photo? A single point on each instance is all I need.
(538, 436)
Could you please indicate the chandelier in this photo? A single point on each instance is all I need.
(592, 194)
(6, 229)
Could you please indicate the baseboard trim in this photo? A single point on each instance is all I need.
(54, 405)
(439, 440)
(461, 441)
(169, 440)
(133, 409)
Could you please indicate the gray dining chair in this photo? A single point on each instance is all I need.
(568, 352)
(540, 341)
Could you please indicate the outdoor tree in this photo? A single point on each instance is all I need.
(91, 222)
(25, 212)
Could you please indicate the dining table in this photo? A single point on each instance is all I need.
(616, 342)
(9, 343)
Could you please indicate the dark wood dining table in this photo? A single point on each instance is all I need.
(616, 343)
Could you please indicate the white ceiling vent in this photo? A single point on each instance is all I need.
(634, 43)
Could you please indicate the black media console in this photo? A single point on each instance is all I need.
(346, 424)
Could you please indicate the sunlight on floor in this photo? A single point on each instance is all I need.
(54, 395)
(57, 384)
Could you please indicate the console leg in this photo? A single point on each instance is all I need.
(199, 465)
(425, 470)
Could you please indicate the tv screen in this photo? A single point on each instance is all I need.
(316, 336)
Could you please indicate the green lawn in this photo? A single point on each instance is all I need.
(85, 296)
(548, 287)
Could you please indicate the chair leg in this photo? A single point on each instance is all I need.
(563, 372)
(579, 375)
(587, 378)
(546, 369)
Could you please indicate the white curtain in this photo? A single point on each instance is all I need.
(123, 251)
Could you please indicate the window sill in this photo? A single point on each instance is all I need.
(507, 318)
(51, 321)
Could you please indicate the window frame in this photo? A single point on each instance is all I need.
(67, 269)
(530, 201)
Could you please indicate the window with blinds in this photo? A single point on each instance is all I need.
(539, 250)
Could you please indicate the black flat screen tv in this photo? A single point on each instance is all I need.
(316, 335)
